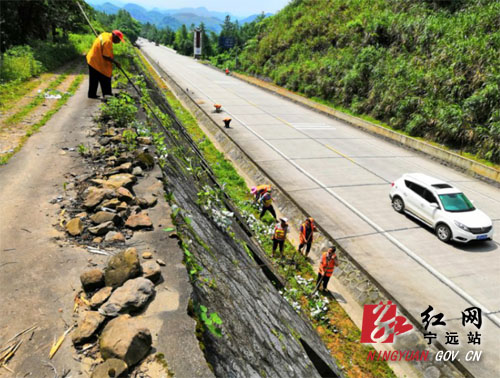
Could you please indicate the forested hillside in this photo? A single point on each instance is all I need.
(428, 67)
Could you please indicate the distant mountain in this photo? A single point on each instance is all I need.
(172, 18)
(107, 8)
(210, 23)
(252, 17)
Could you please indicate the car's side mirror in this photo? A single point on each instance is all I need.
(434, 205)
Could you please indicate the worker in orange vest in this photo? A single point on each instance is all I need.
(100, 60)
(306, 235)
(267, 204)
(259, 191)
(326, 266)
(279, 235)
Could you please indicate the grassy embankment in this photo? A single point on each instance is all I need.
(21, 63)
(428, 69)
(338, 331)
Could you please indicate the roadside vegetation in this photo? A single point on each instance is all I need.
(428, 68)
(335, 327)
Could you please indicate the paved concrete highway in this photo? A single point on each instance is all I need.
(342, 177)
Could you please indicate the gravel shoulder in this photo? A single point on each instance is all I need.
(40, 266)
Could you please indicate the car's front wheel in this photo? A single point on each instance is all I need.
(398, 204)
(443, 232)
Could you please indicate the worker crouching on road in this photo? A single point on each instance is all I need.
(326, 266)
(100, 59)
(279, 236)
(306, 235)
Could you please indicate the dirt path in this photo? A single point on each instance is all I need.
(11, 134)
(38, 272)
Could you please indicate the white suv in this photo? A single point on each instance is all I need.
(440, 205)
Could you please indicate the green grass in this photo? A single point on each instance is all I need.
(39, 99)
(34, 128)
(337, 330)
(427, 68)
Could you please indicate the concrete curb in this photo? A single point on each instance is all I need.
(459, 162)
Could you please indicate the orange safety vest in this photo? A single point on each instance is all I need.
(102, 46)
(267, 199)
(261, 189)
(280, 232)
(327, 265)
(302, 235)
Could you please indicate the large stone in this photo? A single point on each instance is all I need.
(145, 160)
(124, 194)
(100, 297)
(122, 179)
(147, 255)
(104, 216)
(87, 326)
(102, 229)
(121, 267)
(92, 279)
(138, 221)
(114, 237)
(74, 226)
(130, 297)
(152, 271)
(110, 368)
(137, 171)
(111, 204)
(125, 167)
(95, 196)
(125, 339)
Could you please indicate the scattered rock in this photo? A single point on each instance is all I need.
(97, 240)
(122, 179)
(161, 262)
(147, 255)
(144, 140)
(132, 296)
(137, 171)
(138, 221)
(125, 339)
(122, 207)
(110, 368)
(102, 229)
(87, 326)
(151, 270)
(95, 196)
(121, 267)
(103, 141)
(104, 216)
(145, 160)
(92, 279)
(74, 226)
(81, 215)
(110, 204)
(125, 167)
(114, 237)
(124, 194)
(100, 297)
(117, 139)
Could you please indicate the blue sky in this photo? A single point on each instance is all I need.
(233, 7)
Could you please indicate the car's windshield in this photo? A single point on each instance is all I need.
(456, 202)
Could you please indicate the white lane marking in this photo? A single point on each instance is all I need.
(380, 230)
